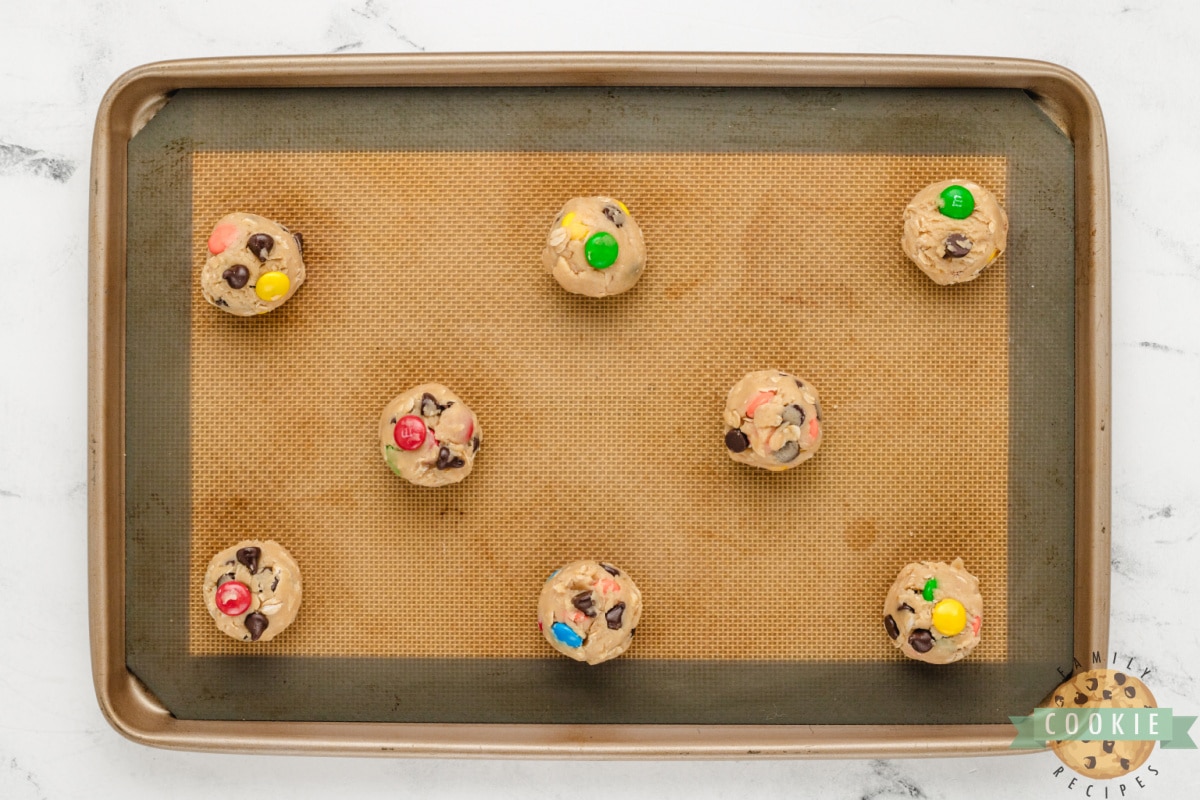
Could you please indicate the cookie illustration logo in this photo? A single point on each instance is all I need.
(1103, 724)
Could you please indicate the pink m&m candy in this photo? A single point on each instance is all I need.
(222, 236)
(233, 598)
(410, 432)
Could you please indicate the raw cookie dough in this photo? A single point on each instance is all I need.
(772, 420)
(595, 247)
(429, 436)
(950, 249)
(252, 590)
(589, 611)
(254, 265)
(933, 611)
(1103, 688)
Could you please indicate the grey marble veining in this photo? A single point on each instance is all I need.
(58, 57)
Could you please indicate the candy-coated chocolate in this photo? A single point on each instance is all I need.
(957, 202)
(927, 592)
(758, 400)
(623, 207)
(601, 250)
(233, 598)
(576, 231)
(410, 432)
(272, 286)
(566, 634)
(221, 237)
(949, 617)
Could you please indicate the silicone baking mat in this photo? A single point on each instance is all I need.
(772, 224)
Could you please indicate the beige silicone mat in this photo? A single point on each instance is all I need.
(772, 218)
(601, 418)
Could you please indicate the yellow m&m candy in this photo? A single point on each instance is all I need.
(576, 230)
(949, 617)
(272, 286)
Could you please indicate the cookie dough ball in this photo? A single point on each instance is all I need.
(254, 265)
(252, 590)
(429, 436)
(595, 247)
(589, 611)
(1103, 688)
(933, 611)
(772, 420)
(953, 229)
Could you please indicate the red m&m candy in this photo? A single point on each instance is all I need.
(410, 432)
(233, 598)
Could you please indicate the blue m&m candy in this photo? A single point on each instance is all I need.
(566, 634)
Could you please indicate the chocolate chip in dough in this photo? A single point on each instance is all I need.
(275, 583)
(261, 245)
(236, 276)
(921, 640)
(446, 461)
(226, 578)
(793, 414)
(248, 557)
(475, 445)
(299, 237)
(256, 623)
(429, 406)
(788, 452)
(584, 602)
(613, 617)
(957, 245)
(615, 215)
(906, 607)
(890, 624)
(221, 302)
(610, 569)
(736, 441)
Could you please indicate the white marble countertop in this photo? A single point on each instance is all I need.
(1142, 57)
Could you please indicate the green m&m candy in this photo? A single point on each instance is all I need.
(957, 202)
(600, 250)
(927, 591)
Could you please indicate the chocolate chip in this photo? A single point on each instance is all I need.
(429, 406)
(632, 631)
(736, 441)
(256, 623)
(236, 276)
(1106, 694)
(610, 569)
(906, 607)
(584, 602)
(957, 245)
(248, 556)
(788, 452)
(613, 617)
(818, 407)
(1119, 678)
(1092, 683)
(260, 244)
(394, 421)
(1080, 698)
(799, 383)
(1108, 746)
(921, 640)
(226, 578)
(615, 215)
(475, 445)
(1090, 762)
(793, 414)
(221, 302)
(275, 583)
(446, 461)
(892, 629)
(1130, 692)
(299, 237)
